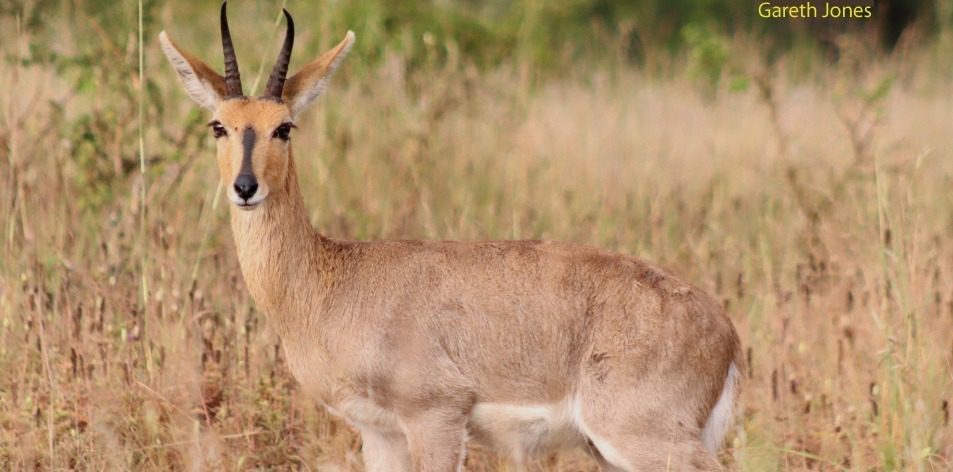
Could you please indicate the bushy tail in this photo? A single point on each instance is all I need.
(723, 414)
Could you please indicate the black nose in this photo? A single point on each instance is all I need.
(245, 186)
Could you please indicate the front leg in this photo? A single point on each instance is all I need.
(437, 440)
(385, 451)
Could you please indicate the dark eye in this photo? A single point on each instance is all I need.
(218, 129)
(283, 132)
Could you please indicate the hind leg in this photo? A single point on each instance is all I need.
(631, 454)
(642, 428)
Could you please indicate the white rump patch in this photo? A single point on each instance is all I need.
(722, 415)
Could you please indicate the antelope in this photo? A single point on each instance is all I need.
(527, 347)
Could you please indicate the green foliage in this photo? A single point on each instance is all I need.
(101, 70)
(548, 38)
(708, 53)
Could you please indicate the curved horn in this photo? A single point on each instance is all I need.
(276, 83)
(233, 81)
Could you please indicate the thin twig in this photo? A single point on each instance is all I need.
(142, 170)
(193, 441)
(164, 399)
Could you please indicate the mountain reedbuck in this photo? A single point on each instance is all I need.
(523, 346)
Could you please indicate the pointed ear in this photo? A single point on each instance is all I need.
(203, 84)
(309, 83)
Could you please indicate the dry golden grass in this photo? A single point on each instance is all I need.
(820, 216)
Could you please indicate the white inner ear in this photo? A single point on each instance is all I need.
(200, 90)
(305, 98)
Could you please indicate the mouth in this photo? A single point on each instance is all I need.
(247, 206)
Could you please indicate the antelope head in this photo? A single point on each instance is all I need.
(253, 134)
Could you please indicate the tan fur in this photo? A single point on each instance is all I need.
(306, 85)
(271, 157)
(202, 83)
(523, 345)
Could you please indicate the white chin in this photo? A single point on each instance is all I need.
(249, 205)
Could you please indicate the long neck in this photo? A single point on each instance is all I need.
(283, 259)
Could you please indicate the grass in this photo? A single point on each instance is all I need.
(818, 209)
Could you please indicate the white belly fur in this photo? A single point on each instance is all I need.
(364, 414)
(520, 431)
(523, 431)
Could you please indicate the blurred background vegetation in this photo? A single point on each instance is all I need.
(541, 34)
(721, 45)
(798, 170)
